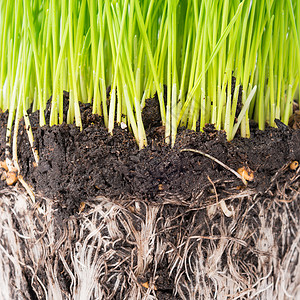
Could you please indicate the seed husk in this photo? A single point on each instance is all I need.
(11, 178)
(294, 165)
(146, 285)
(246, 173)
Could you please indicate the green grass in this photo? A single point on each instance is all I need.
(136, 47)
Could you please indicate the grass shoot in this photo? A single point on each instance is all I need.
(194, 48)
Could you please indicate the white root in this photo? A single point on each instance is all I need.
(218, 162)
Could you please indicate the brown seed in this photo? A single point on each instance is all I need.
(246, 173)
(81, 207)
(11, 178)
(160, 187)
(146, 285)
(294, 165)
(3, 165)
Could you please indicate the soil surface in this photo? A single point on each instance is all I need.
(76, 166)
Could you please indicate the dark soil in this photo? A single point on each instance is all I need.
(76, 166)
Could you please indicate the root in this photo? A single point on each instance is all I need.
(228, 213)
(218, 162)
(13, 164)
(137, 250)
(30, 138)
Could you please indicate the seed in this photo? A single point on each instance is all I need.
(146, 285)
(160, 187)
(294, 165)
(81, 207)
(246, 173)
(11, 178)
